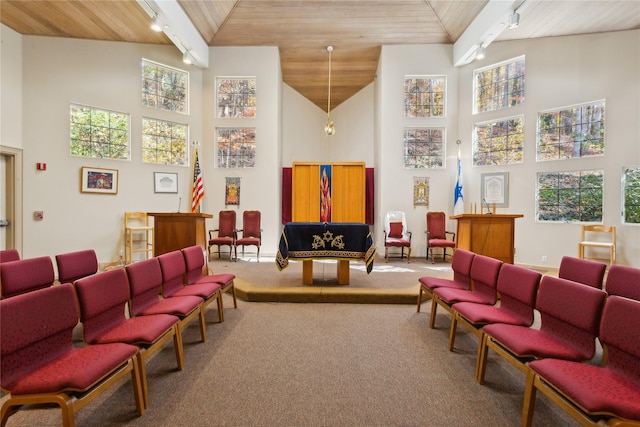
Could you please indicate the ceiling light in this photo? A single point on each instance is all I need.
(329, 128)
(156, 25)
(514, 20)
(480, 52)
(187, 58)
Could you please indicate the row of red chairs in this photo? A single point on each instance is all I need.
(41, 364)
(556, 356)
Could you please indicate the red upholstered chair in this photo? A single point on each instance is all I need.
(591, 394)
(145, 282)
(396, 234)
(40, 365)
(174, 271)
(251, 232)
(194, 261)
(76, 265)
(26, 275)
(103, 298)
(225, 234)
(517, 287)
(570, 315)
(461, 266)
(623, 281)
(437, 235)
(484, 278)
(585, 271)
(7, 255)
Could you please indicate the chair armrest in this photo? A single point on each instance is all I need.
(211, 233)
(452, 234)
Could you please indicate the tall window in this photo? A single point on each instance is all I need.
(99, 133)
(164, 87)
(631, 195)
(575, 196)
(236, 97)
(424, 96)
(424, 148)
(571, 132)
(164, 143)
(236, 147)
(499, 86)
(499, 142)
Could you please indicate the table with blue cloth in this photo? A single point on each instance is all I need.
(343, 241)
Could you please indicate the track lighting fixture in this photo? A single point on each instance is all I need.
(156, 25)
(480, 52)
(187, 58)
(514, 20)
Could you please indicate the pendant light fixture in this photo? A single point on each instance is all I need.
(329, 129)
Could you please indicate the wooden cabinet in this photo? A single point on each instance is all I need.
(487, 234)
(173, 231)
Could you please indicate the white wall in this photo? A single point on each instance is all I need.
(10, 87)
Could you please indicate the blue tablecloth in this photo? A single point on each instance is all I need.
(333, 240)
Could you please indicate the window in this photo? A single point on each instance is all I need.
(424, 96)
(571, 132)
(499, 87)
(424, 148)
(236, 98)
(236, 147)
(99, 133)
(165, 88)
(498, 142)
(570, 196)
(164, 143)
(631, 195)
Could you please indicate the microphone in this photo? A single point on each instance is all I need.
(179, 204)
(487, 205)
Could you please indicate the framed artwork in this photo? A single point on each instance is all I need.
(495, 188)
(96, 180)
(165, 182)
(232, 191)
(420, 191)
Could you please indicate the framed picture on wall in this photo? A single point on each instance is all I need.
(495, 189)
(97, 180)
(165, 182)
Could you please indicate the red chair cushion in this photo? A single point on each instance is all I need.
(482, 314)
(431, 283)
(141, 330)
(395, 229)
(222, 279)
(202, 290)
(179, 306)
(442, 243)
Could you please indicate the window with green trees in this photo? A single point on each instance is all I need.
(573, 196)
(424, 96)
(236, 147)
(499, 86)
(236, 97)
(571, 132)
(99, 133)
(498, 142)
(424, 148)
(164, 143)
(631, 195)
(164, 87)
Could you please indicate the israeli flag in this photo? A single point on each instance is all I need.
(458, 199)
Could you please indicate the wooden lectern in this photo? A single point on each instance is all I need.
(174, 231)
(487, 234)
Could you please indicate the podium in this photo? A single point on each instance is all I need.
(487, 234)
(174, 231)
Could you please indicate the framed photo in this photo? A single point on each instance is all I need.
(96, 180)
(420, 191)
(165, 182)
(495, 188)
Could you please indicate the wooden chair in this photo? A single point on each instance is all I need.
(585, 271)
(251, 233)
(102, 299)
(598, 236)
(461, 266)
(25, 275)
(76, 265)
(396, 234)
(623, 281)
(437, 235)
(40, 365)
(7, 255)
(138, 235)
(225, 234)
(595, 395)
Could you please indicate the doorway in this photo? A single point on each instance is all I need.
(11, 200)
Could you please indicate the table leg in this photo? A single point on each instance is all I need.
(307, 272)
(343, 272)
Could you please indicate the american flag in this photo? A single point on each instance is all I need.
(198, 187)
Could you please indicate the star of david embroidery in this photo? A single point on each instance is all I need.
(328, 236)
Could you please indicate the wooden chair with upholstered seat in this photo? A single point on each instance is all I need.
(461, 266)
(623, 281)
(7, 255)
(25, 275)
(437, 235)
(76, 265)
(585, 271)
(225, 234)
(250, 233)
(396, 234)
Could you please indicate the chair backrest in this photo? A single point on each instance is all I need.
(7, 255)
(76, 265)
(571, 312)
(26, 275)
(102, 299)
(251, 224)
(518, 288)
(461, 266)
(620, 335)
(484, 276)
(585, 271)
(226, 223)
(35, 328)
(436, 225)
(194, 262)
(174, 270)
(623, 281)
(145, 282)
(395, 224)
(607, 233)
(136, 219)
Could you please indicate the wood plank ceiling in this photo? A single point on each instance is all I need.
(302, 29)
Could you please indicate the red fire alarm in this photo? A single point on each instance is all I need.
(41, 166)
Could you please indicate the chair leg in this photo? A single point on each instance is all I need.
(529, 400)
(419, 299)
(452, 330)
(434, 309)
